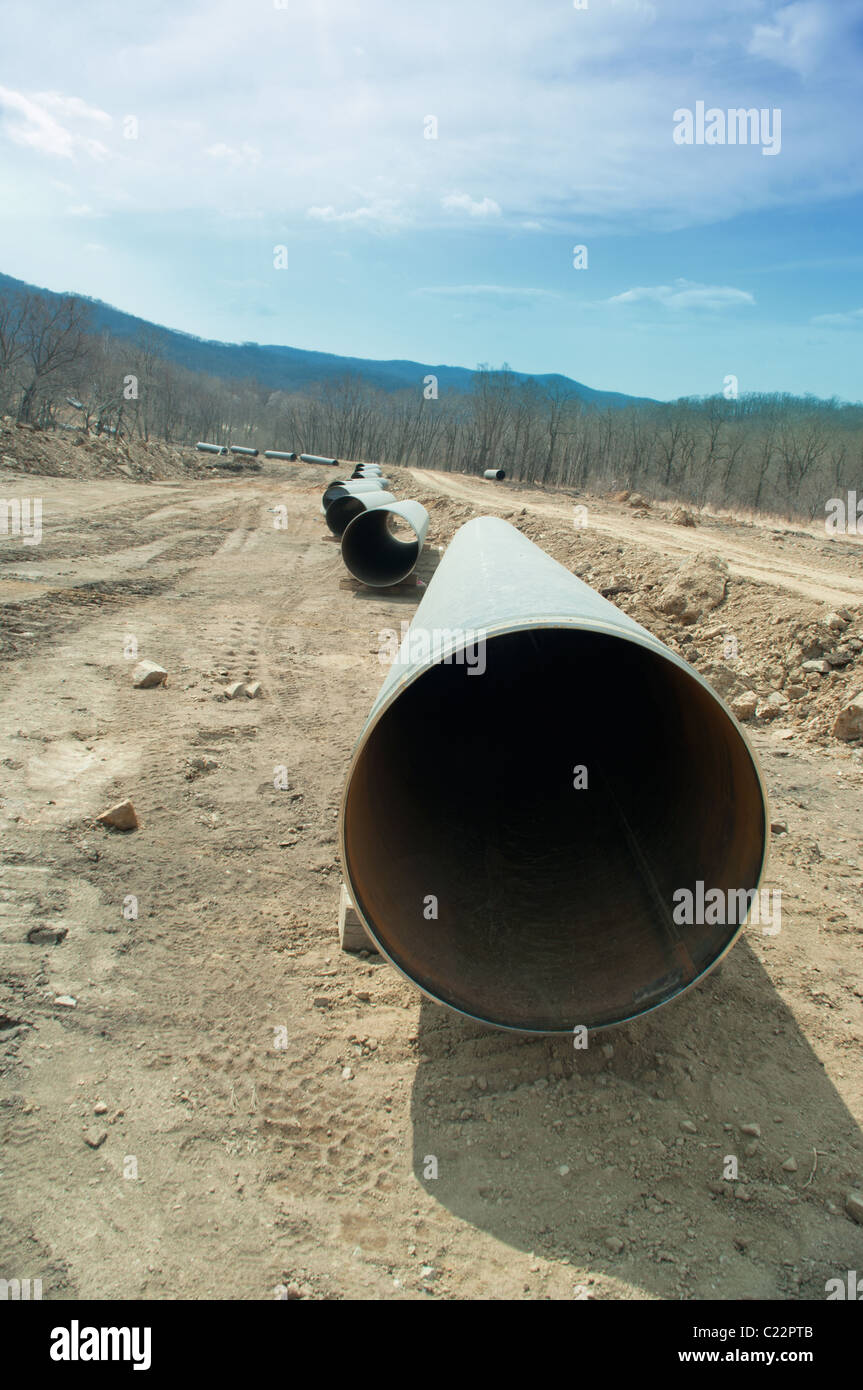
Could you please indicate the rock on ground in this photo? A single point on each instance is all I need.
(697, 588)
(849, 720)
(745, 705)
(148, 673)
(854, 1206)
(121, 817)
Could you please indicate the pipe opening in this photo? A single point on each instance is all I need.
(380, 548)
(554, 904)
(341, 512)
(351, 488)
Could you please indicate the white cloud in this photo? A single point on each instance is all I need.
(385, 212)
(645, 8)
(35, 128)
(549, 119)
(463, 202)
(853, 319)
(798, 36)
(236, 155)
(486, 291)
(72, 107)
(685, 294)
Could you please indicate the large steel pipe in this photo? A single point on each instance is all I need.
(497, 475)
(349, 486)
(211, 448)
(537, 781)
(243, 449)
(341, 512)
(374, 552)
(279, 454)
(316, 458)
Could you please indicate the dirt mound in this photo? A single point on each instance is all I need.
(746, 638)
(697, 588)
(77, 454)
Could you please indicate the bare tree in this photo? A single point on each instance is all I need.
(54, 341)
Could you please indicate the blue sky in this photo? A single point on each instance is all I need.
(264, 123)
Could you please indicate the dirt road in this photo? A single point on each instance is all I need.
(760, 552)
(233, 1108)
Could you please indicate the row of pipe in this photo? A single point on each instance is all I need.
(205, 448)
(362, 470)
(365, 514)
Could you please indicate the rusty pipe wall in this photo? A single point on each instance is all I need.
(538, 779)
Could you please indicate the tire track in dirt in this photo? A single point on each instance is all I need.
(321, 1137)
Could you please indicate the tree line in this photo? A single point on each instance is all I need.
(776, 452)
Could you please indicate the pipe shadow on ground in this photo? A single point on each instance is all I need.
(588, 1158)
(409, 590)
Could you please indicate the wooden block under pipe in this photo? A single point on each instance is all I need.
(352, 934)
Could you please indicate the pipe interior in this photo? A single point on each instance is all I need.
(372, 551)
(342, 510)
(554, 905)
(349, 489)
